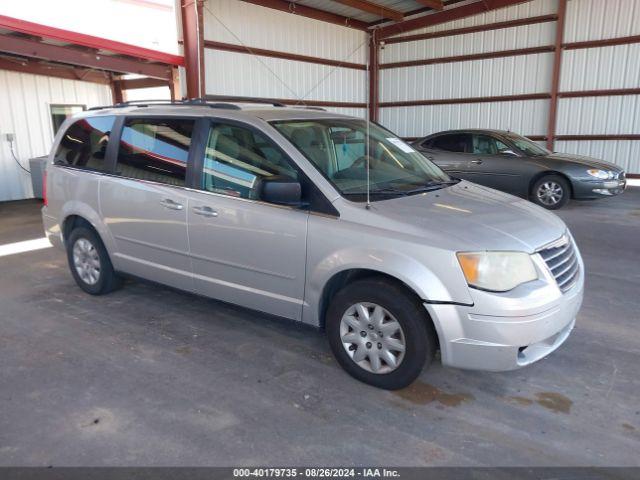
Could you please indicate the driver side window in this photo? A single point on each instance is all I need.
(237, 159)
(486, 145)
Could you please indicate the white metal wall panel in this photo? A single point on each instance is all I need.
(236, 22)
(527, 117)
(477, 78)
(229, 73)
(524, 10)
(24, 111)
(524, 36)
(601, 68)
(601, 19)
(625, 153)
(616, 115)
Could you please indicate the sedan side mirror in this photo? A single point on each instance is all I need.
(281, 190)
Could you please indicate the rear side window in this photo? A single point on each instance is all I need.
(84, 144)
(452, 143)
(155, 149)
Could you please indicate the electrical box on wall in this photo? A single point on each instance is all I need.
(7, 137)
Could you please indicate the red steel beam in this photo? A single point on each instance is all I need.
(59, 71)
(44, 31)
(607, 42)
(555, 74)
(193, 45)
(459, 101)
(72, 56)
(230, 47)
(447, 15)
(117, 93)
(466, 58)
(309, 12)
(374, 8)
(473, 29)
(600, 93)
(374, 73)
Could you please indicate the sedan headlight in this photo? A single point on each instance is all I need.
(497, 271)
(601, 174)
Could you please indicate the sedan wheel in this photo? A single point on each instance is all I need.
(372, 337)
(550, 193)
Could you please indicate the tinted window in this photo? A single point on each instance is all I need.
(84, 144)
(452, 143)
(155, 149)
(486, 145)
(237, 159)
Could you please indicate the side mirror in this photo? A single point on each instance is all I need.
(281, 190)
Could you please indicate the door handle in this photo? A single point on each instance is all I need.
(170, 204)
(476, 162)
(205, 211)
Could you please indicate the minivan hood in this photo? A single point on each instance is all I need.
(472, 217)
(585, 161)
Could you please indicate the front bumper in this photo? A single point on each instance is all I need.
(590, 189)
(507, 331)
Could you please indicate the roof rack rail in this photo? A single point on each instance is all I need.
(237, 99)
(177, 103)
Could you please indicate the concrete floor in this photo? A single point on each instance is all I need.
(150, 376)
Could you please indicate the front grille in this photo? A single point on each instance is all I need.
(562, 260)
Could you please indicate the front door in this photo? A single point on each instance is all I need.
(246, 251)
(494, 164)
(145, 204)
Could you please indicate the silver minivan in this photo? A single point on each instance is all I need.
(320, 218)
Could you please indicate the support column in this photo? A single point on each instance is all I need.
(117, 94)
(174, 85)
(555, 76)
(193, 44)
(374, 71)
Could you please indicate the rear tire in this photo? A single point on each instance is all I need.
(89, 262)
(376, 318)
(551, 192)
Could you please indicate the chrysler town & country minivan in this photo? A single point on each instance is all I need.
(320, 218)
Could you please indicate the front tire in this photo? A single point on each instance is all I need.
(379, 333)
(89, 262)
(551, 192)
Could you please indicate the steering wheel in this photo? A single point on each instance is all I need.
(362, 162)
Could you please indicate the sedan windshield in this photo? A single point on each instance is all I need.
(526, 146)
(340, 150)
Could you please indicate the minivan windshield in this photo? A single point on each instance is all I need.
(527, 146)
(338, 148)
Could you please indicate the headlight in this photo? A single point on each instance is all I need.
(601, 174)
(497, 271)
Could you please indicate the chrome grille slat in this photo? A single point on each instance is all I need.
(553, 252)
(566, 269)
(562, 262)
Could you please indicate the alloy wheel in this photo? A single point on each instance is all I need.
(550, 193)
